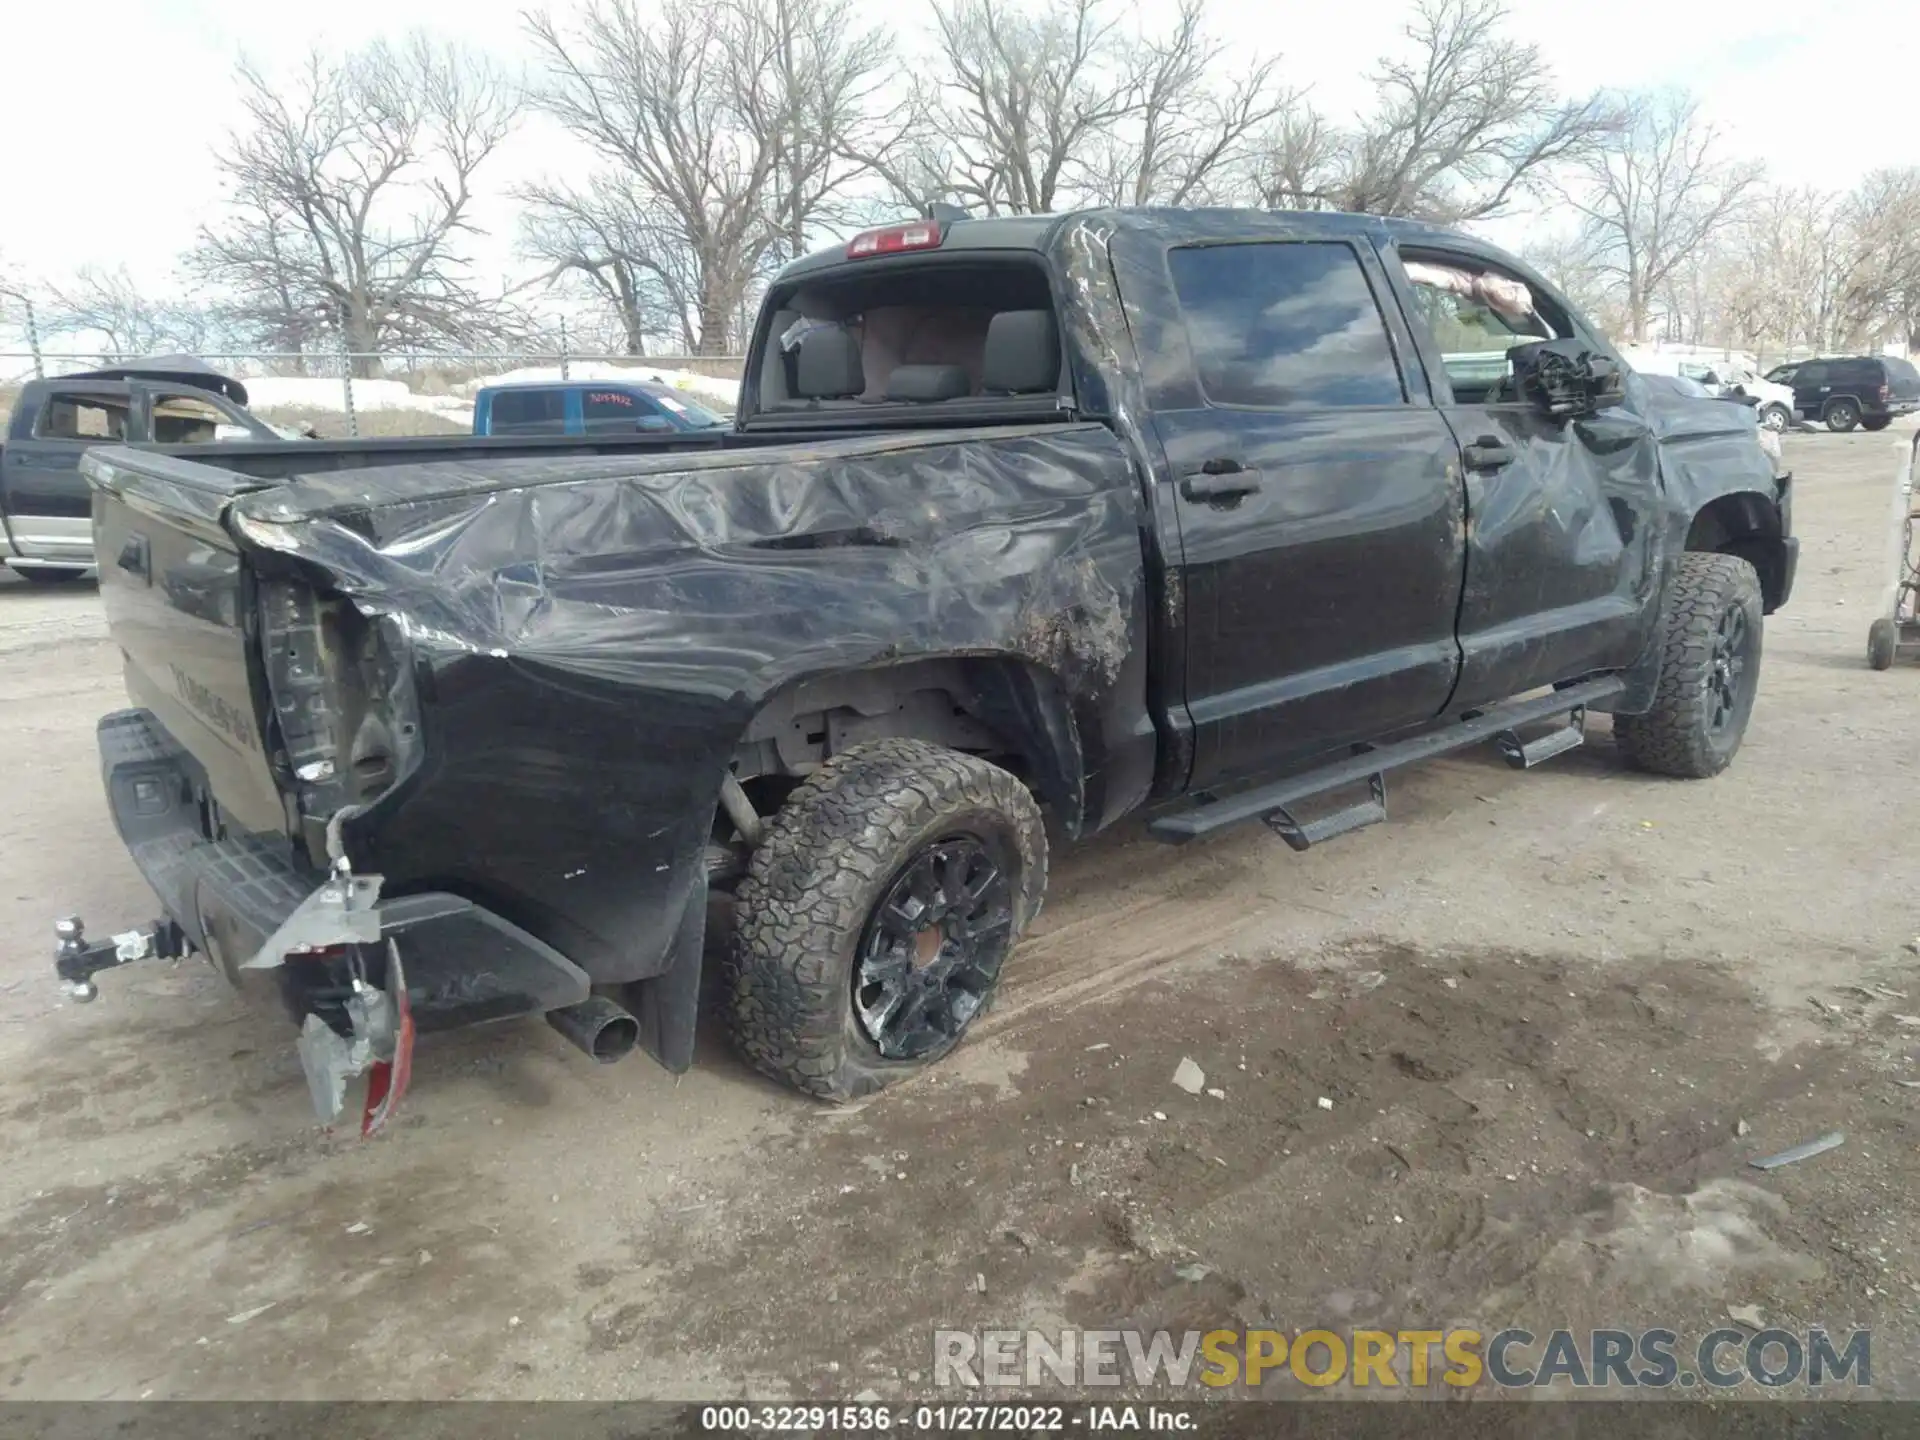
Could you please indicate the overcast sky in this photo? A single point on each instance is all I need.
(113, 107)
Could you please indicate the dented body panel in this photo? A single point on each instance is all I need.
(516, 678)
(590, 642)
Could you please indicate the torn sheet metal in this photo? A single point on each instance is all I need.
(591, 635)
(342, 911)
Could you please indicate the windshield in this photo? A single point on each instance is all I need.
(695, 417)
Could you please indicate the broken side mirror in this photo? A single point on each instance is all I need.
(1566, 378)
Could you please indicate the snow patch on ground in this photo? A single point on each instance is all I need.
(306, 392)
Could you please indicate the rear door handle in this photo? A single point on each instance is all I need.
(1220, 479)
(1489, 452)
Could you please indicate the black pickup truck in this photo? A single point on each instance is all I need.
(45, 536)
(1216, 516)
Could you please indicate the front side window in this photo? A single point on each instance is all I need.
(1475, 315)
(1283, 325)
(619, 410)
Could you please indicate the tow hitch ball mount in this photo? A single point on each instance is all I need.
(340, 916)
(77, 960)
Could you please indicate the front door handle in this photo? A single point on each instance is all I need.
(1220, 479)
(1489, 452)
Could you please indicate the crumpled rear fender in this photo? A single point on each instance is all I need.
(590, 637)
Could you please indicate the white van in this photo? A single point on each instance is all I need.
(1721, 375)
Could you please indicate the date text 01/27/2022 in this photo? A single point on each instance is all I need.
(944, 1419)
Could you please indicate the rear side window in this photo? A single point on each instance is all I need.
(526, 412)
(1277, 326)
(81, 417)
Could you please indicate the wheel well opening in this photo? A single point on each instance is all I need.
(999, 709)
(1745, 525)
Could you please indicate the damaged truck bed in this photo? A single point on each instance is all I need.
(1182, 511)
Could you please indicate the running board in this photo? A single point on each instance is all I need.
(1525, 754)
(1302, 836)
(1270, 802)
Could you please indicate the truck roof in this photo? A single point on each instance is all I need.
(637, 383)
(1035, 232)
(179, 369)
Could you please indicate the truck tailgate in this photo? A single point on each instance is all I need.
(179, 605)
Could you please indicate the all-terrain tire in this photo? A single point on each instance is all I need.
(1841, 416)
(828, 858)
(1679, 736)
(1875, 423)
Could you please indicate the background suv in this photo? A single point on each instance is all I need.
(1865, 390)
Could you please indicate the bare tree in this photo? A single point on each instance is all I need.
(1654, 194)
(1195, 121)
(732, 126)
(1880, 296)
(129, 320)
(1569, 265)
(353, 194)
(1067, 105)
(605, 237)
(1465, 123)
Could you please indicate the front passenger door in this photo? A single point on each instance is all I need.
(1811, 386)
(1562, 557)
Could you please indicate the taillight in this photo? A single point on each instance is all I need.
(1886, 392)
(921, 235)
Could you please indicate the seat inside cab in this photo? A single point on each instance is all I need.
(962, 337)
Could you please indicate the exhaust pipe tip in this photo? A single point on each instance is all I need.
(597, 1027)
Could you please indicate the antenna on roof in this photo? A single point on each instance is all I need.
(941, 210)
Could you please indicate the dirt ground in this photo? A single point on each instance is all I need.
(1555, 1014)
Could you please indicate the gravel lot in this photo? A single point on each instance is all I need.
(1541, 1005)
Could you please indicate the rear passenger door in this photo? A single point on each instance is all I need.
(1318, 505)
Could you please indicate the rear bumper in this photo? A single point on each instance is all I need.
(464, 964)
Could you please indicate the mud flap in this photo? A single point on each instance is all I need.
(668, 1005)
